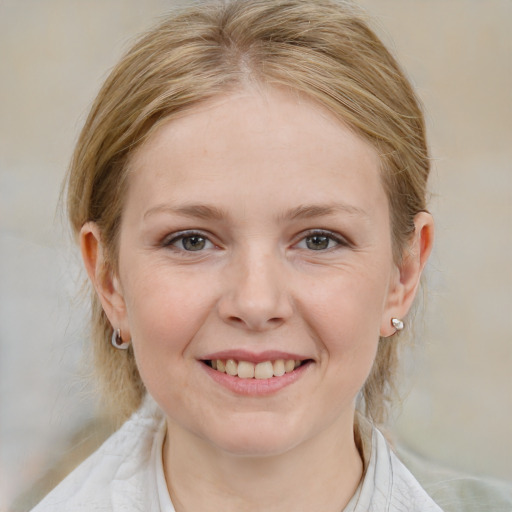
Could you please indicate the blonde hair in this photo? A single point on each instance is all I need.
(323, 49)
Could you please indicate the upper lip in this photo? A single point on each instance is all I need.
(253, 357)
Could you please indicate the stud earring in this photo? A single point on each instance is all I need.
(117, 340)
(397, 324)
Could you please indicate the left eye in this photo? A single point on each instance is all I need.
(192, 242)
(318, 242)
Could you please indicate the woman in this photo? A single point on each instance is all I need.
(249, 197)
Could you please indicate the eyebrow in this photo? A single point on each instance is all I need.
(197, 211)
(207, 212)
(310, 211)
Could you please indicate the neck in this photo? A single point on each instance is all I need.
(320, 474)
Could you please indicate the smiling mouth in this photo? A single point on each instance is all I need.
(248, 370)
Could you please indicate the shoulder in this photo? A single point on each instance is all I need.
(405, 493)
(387, 483)
(112, 478)
(457, 492)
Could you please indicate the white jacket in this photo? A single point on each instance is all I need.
(125, 474)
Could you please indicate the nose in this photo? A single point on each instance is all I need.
(256, 296)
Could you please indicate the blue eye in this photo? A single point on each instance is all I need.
(192, 242)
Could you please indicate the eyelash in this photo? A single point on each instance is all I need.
(339, 240)
(187, 235)
(184, 235)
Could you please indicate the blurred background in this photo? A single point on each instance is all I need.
(54, 55)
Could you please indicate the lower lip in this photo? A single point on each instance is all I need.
(256, 387)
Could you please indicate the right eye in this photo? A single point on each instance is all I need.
(190, 242)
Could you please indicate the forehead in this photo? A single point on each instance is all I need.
(270, 143)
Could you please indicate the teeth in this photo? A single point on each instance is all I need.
(231, 367)
(264, 370)
(289, 365)
(278, 367)
(248, 370)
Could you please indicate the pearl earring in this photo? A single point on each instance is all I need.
(397, 324)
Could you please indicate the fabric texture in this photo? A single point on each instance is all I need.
(126, 474)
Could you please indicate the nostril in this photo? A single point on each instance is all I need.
(256, 324)
(236, 320)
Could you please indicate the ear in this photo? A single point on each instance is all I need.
(100, 273)
(405, 282)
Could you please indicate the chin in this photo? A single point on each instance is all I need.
(256, 446)
(251, 439)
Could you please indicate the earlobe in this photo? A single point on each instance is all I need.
(407, 280)
(100, 273)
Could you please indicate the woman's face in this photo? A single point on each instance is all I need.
(255, 229)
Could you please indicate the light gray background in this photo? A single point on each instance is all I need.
(54, 55)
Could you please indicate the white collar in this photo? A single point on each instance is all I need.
(157, 470)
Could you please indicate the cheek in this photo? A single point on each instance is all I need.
(345, 317)
(164, 311)
(349, 305)
(350, 342)
(163, 320)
